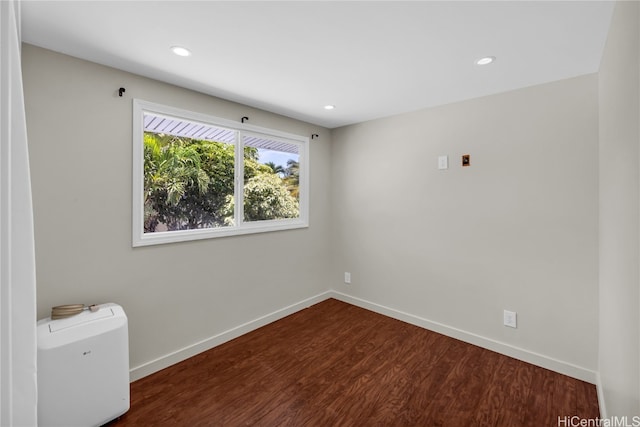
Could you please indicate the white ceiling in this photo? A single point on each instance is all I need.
(369, 58)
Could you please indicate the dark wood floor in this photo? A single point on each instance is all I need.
(335, 364)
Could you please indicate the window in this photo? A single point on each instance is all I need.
(190, 170)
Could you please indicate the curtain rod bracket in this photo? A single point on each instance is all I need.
(121, 91)
(243, 119)
(314, 136)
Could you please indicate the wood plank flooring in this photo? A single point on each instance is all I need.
(335, 364)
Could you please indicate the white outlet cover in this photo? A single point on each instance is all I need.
(510, 319)
(347, 277)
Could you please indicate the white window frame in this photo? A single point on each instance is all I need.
(140, 238)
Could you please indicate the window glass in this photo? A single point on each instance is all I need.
(271, 179)
(188, 183)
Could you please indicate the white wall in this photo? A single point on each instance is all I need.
(619, 89)
(176, 294)
(516, 230)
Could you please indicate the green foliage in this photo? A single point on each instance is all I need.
(292, 177)
(267, 197)
(189, 184)
(172, 169)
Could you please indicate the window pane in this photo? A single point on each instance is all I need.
(188, 175)
(271, 179)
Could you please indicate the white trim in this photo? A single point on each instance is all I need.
(160, 363)
(524, 355)
(140, 238)
(238, 184)
(601, 402)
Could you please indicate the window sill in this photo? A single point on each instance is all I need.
(162, 237)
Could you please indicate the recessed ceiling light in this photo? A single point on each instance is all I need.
(486, 60)
(180, 51)
(329, 107)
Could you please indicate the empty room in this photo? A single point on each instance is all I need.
(317, 213)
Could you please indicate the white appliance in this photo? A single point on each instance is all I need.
(83, 368)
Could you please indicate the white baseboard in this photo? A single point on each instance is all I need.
(601, 403)
(490, 344)
(165, 361)
(537, 359)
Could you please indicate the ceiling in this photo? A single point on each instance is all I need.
(370, 59)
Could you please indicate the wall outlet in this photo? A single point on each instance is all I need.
(347, 277)
(510, 319)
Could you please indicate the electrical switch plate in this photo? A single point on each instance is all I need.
(510, 319)
(347, 277)
(443, 162)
